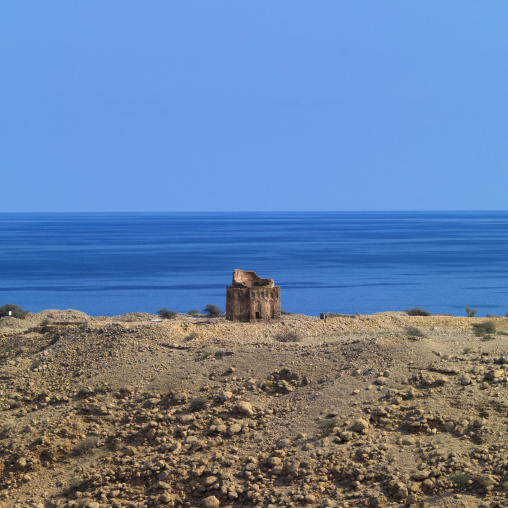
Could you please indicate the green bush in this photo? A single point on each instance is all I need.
(285, 313)
(417, 311)
(212, 310)
(198, 403)
(485, 328)
(194, 312)
(460, 480)
(15, 310)
(471, 312)
(166, 313)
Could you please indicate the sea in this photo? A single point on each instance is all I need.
(340, 262)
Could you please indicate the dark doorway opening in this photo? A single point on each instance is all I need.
(257, 315)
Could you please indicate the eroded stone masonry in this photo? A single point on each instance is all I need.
(251, 298)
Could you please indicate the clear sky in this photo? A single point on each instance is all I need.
(188, 105)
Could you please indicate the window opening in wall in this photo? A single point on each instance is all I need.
(257, 315)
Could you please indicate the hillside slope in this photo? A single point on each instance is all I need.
(355, 411)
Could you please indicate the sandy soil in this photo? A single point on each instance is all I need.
(125, 411)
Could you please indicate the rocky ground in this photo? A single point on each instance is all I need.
(382, 410)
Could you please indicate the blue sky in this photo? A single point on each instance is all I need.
(253, 105)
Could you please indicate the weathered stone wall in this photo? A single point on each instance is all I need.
(251, 298)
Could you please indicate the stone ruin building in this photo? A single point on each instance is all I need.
(251, 298)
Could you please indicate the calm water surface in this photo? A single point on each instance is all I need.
(107, 264)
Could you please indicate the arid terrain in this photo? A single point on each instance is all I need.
(125, 411)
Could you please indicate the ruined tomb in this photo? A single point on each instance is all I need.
(251, 298)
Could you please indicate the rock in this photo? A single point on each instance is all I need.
(245, 408)
(130, 451)
(226, 395)
(185, 419)
(449, 426)
(310, 499)
(210, 502)
(234, 429)
(20, 463)
(360, 425)
(285, 442)
(165, 498)
(421, 475)
(412, 500)
(494, 374)
(274, 461)
(209, 480)
(487, 480)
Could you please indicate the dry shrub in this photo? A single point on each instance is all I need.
(414, 331)
(86, 446)
(288, 336)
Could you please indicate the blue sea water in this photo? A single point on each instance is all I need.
(345, 262)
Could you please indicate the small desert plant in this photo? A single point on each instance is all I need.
(267, 385)
(166, 313)
(212, 310)
(86, 446)
(417, 311)
(414, 331)
(288, 336)
(471, 312)
(192, 336)
(194, 313)
(285, 313)
(75, 482)
(485, 328)
(198, 403)
(327, 424)
(15, 311)
(460, 480)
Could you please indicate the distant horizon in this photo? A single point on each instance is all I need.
(251, 211)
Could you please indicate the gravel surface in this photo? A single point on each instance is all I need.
(357, 411)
